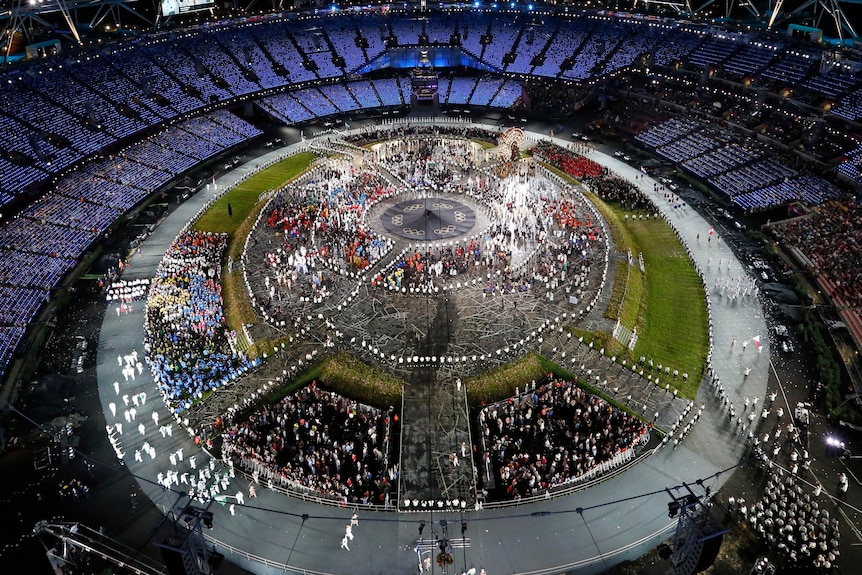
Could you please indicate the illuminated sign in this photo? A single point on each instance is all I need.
(174, 7)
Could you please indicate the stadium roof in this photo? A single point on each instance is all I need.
(81, 17)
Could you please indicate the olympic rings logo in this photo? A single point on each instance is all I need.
(460, 217)
(447, 230)
(397, 220)
(413, 232)
(412, 207)
(442, 206)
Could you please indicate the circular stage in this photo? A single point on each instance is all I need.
(433, 218)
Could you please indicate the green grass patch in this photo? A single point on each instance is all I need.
(619, 234)
(627, 293)
(245, 195)
(343, 374)
(244, 201)
(237, 307)
(672, 324)
(486, 145)
(630, 283)
(666, 303)
(500, 383)
(634, 298)
(599, 339)
(347, 375)
(618, 290)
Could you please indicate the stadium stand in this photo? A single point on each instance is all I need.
(826, 242)
(96, 131)
(742, 170)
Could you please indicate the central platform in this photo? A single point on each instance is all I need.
(432, 218)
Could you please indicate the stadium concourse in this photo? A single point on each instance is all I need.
(589, 530)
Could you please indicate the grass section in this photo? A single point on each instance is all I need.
(628, 287)
(672, 324)
(619, 232)
(618, 291)
(343, 374)
(237, 308)
(348, 376)
(244, 202)
(634, 299)
(500, 383)
(666, 303)
(245, 195)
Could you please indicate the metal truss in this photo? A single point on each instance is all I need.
(26, 16)
(76, 540)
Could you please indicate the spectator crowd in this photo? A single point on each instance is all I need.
(830, 239)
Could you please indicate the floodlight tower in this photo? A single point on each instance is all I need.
(821, 9)
(26, 16)
(698, 534)
(185, 551)
(77, 540)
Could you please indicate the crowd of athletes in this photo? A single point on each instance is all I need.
(313, 230)
(791, 521)
(189, 348)
(429, 161)
(319, 442)
(555, 232)
(551, 436)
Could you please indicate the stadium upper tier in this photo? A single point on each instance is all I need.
(93, 131)
(57, 112)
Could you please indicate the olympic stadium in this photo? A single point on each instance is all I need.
(486, 288)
